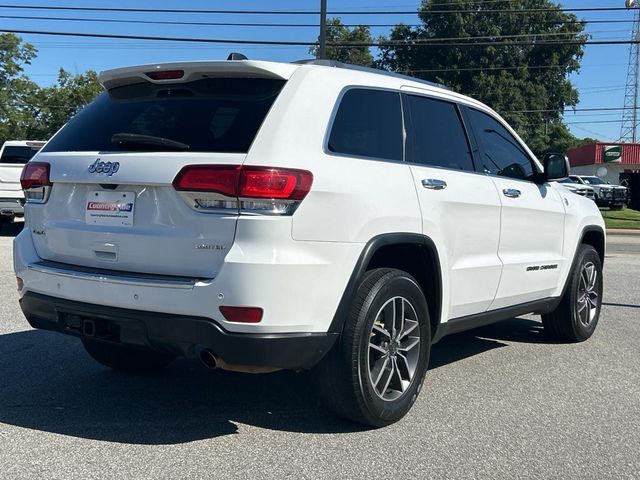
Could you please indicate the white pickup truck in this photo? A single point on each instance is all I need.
(13, 155)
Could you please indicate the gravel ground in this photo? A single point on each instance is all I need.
(499, 402)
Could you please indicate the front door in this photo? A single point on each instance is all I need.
(460, 208)
(532, 219)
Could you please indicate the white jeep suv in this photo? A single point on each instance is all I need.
(264, 216)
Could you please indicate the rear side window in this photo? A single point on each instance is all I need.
(502, 153)
(368, 124)
(18, 154)
(436, 135)
(209, 115)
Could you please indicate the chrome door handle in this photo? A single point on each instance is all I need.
(511, 192)
(434, 184)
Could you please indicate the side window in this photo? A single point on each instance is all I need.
(502, 154)
(368, 124)
(436, 135)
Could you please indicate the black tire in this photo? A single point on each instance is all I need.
(344, 378)
(617, 207)
(124, 358)
(569, 320)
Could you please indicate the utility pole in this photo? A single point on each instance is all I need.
(323, 30)
(629, 130)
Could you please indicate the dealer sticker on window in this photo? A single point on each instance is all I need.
(113, 209)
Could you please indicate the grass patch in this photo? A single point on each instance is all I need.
(625, 218)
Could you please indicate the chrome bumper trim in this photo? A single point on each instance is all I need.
(110, 276)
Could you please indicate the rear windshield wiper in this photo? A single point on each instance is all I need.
(137, 139)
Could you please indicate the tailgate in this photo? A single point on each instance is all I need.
(135, 223)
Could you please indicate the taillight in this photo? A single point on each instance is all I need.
(267, 190)
(265, 182)
(35, 182)
(242, 314)
(220, 179)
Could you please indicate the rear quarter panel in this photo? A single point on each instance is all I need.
(352, 199)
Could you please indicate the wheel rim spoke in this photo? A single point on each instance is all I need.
(382, 368)
(404, 364)
(388, 380)
(381, 330)
(410, 343)
(377, 348)
(410, 326)
(397, 376)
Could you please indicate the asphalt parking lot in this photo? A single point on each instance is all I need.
(499, 402)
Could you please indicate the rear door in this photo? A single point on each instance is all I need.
(532, 220)
(112, 204)
(459, 207)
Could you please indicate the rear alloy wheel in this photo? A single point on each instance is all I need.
(374, 372)
(125, 358)
(576, 317)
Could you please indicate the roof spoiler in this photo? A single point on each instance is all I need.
(236, 66)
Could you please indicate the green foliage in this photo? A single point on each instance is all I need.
(338, 33)
(479, 71)
(14, 85)
(51, 107)
(28, 111)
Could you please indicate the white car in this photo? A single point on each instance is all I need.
(263, 216)
(577, 188)
(13, 156)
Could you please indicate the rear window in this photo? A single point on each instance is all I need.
(368, 124)
(209, 115)
(18, 154)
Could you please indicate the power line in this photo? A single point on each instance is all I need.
(258, 24)
(153, 22)
(510, 67)
(594, 121)
(426, 42)
(597, 109)
(309, 12)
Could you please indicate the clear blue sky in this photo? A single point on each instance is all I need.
(600, 82)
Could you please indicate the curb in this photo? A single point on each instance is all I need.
(623, 231)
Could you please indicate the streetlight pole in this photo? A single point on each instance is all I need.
(323, 30)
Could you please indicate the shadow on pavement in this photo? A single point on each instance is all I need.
(50, 384)
(10, 229)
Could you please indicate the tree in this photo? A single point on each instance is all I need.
(337, 32)
(14, 85)
(51, 107)
(526, 84)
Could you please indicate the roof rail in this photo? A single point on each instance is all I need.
(350, 66)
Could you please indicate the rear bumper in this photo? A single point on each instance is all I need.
(182, 335)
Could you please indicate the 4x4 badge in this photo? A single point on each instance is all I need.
(104, 167)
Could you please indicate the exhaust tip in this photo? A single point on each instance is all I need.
(209, 359)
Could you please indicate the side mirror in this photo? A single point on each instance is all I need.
(556, 166)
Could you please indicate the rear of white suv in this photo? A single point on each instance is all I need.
(13, 156)
(192, 234)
